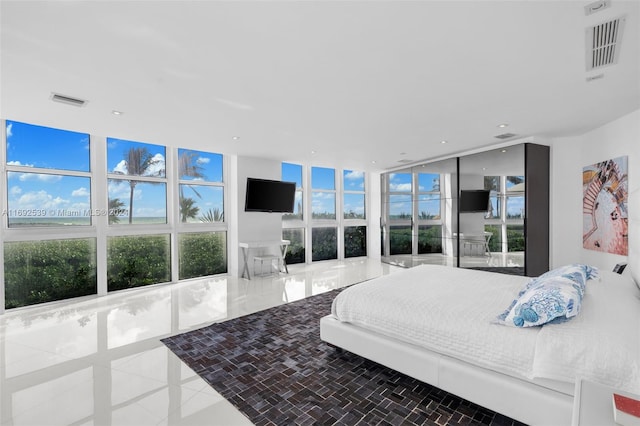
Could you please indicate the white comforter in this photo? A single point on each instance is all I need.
(451, 311)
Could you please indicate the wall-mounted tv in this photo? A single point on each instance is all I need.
(474, 201)
(273, 196)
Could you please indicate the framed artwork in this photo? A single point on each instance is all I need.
(604, 206)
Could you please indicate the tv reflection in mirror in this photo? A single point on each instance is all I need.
(271, 196)
(474, 201)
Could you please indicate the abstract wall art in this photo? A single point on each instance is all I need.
(604, 206)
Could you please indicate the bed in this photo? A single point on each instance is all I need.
(438, 324)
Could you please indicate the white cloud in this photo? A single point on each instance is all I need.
(157, 167)
(80, 192)
(9, 130)
(354, 175)
(18, 163)
(121, 189)
(121, 167)
(399, 187)
(39, 200)
(203, 160)
(40, 177)
(15, 190)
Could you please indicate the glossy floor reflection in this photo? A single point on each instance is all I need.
(99, 361)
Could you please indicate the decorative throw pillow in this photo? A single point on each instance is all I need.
(553, 296)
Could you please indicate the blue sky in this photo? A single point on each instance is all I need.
(53, 195)
(33, 195)
(324, 179)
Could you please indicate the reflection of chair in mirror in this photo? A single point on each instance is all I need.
(476, 244)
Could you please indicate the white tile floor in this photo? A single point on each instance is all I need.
(99, 360)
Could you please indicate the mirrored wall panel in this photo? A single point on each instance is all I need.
(471, 211)
(419, 214)
(492, 209)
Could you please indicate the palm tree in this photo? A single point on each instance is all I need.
(189, 168)
(187, 208)
(115, 205)
(139, 162)
(212, 216)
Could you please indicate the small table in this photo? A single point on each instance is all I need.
(249, 245)
(592, 404)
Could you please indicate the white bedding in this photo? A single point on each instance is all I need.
(450, 311)
(602, 343)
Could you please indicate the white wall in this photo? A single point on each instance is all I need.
(568, 157)
(253, 226)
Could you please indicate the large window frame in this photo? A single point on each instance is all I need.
(344, 227)
(99, 228)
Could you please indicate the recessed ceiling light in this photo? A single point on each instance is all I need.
(313, 151)
(116, 112)
(235, 138)
(443, 141)
(504, 150)
(373, 161)
(503, 125)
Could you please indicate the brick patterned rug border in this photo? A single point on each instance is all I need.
(273, 367)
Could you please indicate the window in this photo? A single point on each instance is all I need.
(293, 173)
(429, 239)
(324, 243)
(49, 183)
(323, 195)
(429, 196)
(355, 241)
(44, 271)
(354, 225)
(493, 184)
(202, 254)
(505, 220)
(137, 185)
(400, 239)
(295, 251)
(47, 187)
(138, 260)
(515, 197)
(400, 198)
(353, 195)
(201, 197)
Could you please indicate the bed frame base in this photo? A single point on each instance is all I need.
(519, 399)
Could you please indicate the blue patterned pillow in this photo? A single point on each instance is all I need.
(553, 296)
(576, 272)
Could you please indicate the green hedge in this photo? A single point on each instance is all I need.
(355, 241)
(202, 255)
(134, 261)
(324, 244)
(44, 271)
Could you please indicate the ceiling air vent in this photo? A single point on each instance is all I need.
(404, 160)
(67, 100)
(505, 136)
(603, 43)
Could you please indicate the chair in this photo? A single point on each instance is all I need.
(269, 260)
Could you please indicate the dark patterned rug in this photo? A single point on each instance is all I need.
(274, 368)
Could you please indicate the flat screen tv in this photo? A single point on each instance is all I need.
(474, 201)
(273, 196)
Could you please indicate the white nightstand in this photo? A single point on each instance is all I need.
(592, 404)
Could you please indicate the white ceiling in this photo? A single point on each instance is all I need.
(354, 81)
